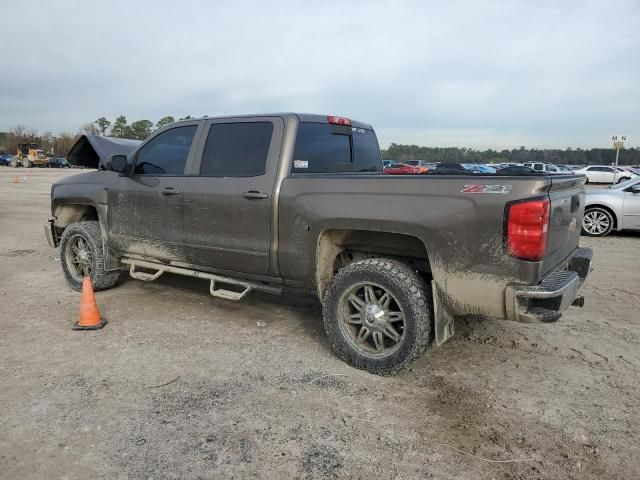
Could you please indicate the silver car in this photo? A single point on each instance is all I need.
(612, 208)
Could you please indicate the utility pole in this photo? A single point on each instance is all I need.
(618, 144)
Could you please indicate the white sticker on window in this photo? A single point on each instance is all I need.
(300, 164)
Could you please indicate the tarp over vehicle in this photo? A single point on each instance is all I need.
(91, 151)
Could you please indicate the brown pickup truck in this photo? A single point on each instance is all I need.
(267, 202)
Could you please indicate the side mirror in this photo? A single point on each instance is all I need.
(117, 163)
(635, 188)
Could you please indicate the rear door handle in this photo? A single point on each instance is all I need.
(169, 191)
(254, 194)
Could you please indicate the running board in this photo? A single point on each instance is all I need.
(215, 280)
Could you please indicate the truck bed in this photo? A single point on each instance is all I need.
(458, 218)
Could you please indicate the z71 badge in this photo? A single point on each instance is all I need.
(477, 188)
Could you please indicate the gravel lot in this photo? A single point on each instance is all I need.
(182, 385)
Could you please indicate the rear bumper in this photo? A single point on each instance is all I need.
(544, 303)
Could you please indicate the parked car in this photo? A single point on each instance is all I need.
(266, 202)
(10, 160)
(615, 208)
(401, 169)
(604, 174)
(421, 165)
(567, 169)
(478, 168)
(58, 163)
(517, 170)
(449, 169)
(549, 168)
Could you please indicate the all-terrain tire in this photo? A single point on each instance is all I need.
(90, 232)
(412, 295)
(26, 163)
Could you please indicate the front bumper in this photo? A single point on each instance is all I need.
(544, 303)
(51, 234)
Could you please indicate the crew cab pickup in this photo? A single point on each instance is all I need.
(285, 202)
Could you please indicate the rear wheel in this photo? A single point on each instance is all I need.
(81, 256)
(378, 315)
(597, 222)
(14, 163)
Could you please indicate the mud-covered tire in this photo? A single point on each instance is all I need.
(26, 163)
(410, 293)
(90, 232)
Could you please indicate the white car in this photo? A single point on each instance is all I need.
(549, 168)
(604, 174)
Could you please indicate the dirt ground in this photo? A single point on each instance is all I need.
(182, 385)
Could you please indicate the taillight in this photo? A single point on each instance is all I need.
(338, 120)
(527, 229)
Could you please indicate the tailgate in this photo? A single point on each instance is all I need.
(566, 194)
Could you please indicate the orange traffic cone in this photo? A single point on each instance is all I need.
(89, 313)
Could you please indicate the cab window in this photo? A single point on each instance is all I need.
(166, 154)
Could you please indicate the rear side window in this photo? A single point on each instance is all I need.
(167, 153)
(326, 148)
(538, 166)
(236, 149)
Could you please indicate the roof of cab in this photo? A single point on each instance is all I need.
(303, 117)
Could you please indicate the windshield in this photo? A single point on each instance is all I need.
(626, 184)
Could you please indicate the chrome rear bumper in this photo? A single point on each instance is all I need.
(544, 303)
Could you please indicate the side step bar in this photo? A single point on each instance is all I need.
(219, 292)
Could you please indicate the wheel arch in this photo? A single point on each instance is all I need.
(71, 212)
(68, 213)
(338, 247)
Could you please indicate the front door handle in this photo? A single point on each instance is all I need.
(254, 194)
(169, 191)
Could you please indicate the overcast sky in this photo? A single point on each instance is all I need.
(469, 73)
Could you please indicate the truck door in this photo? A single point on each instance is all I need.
(145, 208)
(228, 197)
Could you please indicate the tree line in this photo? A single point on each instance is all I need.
(570, 156)
(59, 145)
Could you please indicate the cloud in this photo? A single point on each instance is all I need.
(484, 74)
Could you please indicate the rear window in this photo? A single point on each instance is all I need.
(326, 148)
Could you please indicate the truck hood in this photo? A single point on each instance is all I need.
(92, 151)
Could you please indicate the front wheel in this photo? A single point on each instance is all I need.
(597, 222)
(26, 163)
(378, 315)
(82, 256)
